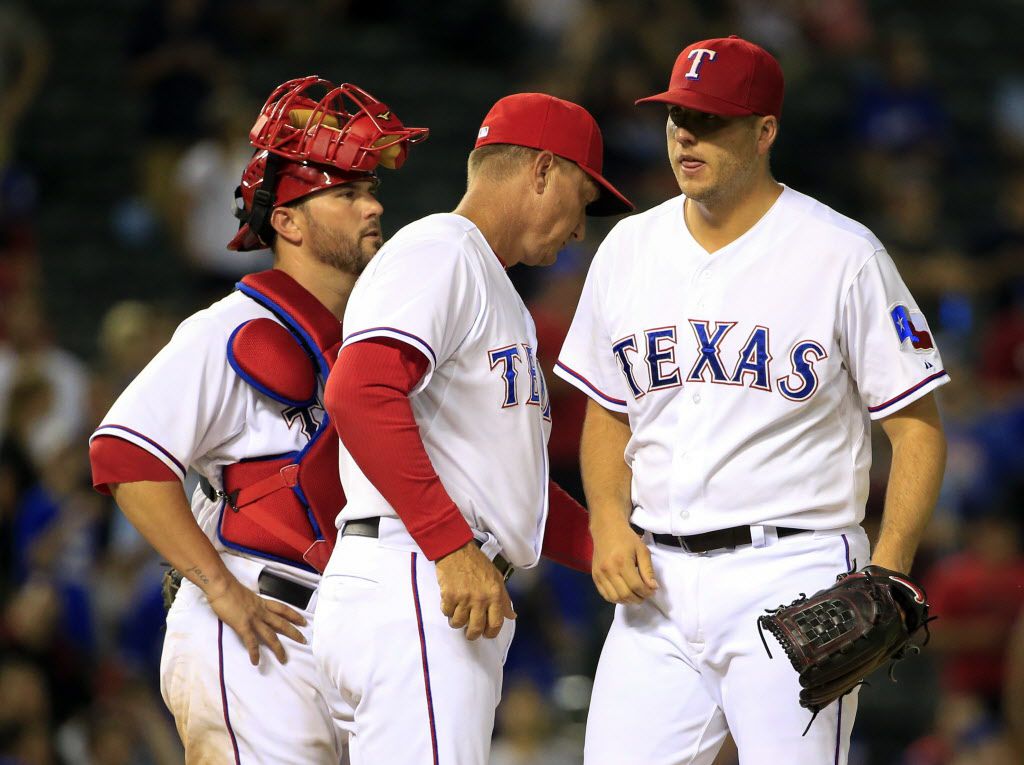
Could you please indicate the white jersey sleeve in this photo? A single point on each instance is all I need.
(181, 406)
(886, 342)
(420, 291)
(587, 359)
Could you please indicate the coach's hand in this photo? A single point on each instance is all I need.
(622, 568)
(256, 619)
(473, 593)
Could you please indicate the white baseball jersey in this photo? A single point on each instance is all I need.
(749, 374)
(189, 408)
(413, 690)
(482, 406)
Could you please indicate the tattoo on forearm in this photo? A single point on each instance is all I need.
(198, 574)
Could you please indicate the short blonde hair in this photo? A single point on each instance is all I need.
(499, 161)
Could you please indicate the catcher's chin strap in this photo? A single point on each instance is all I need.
(258, 217)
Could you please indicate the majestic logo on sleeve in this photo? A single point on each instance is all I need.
(911, 329)
(654, 356)
(506, 362)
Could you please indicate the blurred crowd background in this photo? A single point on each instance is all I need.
(122, 136)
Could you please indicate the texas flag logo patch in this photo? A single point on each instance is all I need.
(911, 329)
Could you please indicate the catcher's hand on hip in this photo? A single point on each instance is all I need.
(256, 619)
(473, 593)
(622, 568)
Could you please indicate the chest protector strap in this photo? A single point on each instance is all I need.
(283, 506)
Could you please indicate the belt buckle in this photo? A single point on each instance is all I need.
(683, 545)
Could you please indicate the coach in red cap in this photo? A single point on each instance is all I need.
(545, 123)
(443, 414)
(735, 341)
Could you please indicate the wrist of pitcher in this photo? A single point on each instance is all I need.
(611, 517)
(892, 558)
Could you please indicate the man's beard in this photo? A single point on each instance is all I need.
(349, 254)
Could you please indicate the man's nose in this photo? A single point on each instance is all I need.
(683, 134)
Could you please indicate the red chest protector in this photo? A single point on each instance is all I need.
(283, 506)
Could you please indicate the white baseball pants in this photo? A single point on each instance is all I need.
(229, 712)
(412, 689)
(686, 666)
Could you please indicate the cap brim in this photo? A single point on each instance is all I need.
(611, 201)
(691, 99)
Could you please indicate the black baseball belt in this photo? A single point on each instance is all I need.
(279, 588)
(721, 539)
(268, 583)
(370, 527)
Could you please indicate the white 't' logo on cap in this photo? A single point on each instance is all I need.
(483, 132)
(699, 56)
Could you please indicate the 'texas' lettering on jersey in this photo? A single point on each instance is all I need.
(656, 349)
(506, 362)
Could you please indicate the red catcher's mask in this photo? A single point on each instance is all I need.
(304, 145)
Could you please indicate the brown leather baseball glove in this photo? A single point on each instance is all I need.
(842, 634)
(169, 587)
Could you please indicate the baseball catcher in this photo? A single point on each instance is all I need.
(840, 635)
(237, 397)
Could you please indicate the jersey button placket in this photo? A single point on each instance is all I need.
(682, 469)
(703, 282)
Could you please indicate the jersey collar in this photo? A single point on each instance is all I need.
(308, 312)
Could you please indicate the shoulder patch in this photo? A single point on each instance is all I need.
(911, 329)
(268, 357)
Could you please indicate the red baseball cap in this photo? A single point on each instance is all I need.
(727, 76)
(540, 121)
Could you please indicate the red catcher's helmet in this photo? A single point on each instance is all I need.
(305, 145)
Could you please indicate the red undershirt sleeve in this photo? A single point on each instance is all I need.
(367, 397)
(567, 532)
(115, 460)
